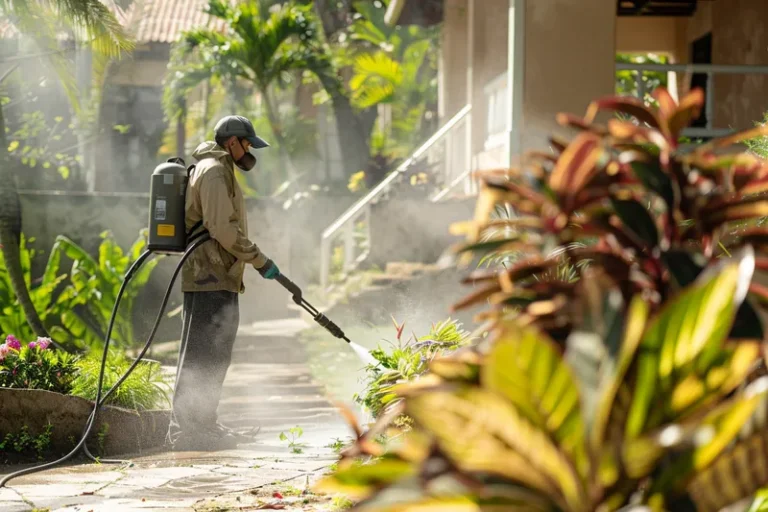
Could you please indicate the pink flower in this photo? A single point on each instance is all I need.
(12, 342)
(4, 350)
(33, 344)
(43, 343)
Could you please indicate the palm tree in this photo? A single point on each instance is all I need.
(260, 48)
(90, 22)
(265, 45)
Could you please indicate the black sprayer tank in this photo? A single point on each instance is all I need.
(167, 229)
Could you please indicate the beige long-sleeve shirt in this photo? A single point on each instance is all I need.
(214, 196)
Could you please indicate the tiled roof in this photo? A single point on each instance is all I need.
(151, 21)
(163, 21)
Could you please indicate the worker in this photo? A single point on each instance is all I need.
(212, 279)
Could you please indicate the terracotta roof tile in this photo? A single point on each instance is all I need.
(163, 21)
(151, 21)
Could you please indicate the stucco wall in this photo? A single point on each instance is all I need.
(650, 34)
(740, 36)
(570, 48)
(453, 59)
(491, 32)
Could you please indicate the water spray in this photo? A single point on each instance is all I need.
(323, 320)
(168, 235)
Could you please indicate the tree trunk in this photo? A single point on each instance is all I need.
(334, 14)
(354, 127)
(181, 133)
(10, 234)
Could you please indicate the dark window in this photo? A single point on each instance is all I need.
(701, 53)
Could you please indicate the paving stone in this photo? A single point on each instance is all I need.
(16, 506)
(9, 495)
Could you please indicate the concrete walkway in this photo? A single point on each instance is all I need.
(268, 385)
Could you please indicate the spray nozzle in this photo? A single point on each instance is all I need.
(320, 318)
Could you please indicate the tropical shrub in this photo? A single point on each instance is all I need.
(75, 307)
(624, 198)
(146, 388)
(92, 290)
(634, 381)
(34, 366)
(759, 145)
(43, 292)
(407, 361)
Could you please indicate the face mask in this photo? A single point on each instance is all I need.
(247, 161)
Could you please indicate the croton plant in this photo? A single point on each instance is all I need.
(634, 380)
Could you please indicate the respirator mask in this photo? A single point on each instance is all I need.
(246, 162)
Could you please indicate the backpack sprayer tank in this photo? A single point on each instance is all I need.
(167, 192)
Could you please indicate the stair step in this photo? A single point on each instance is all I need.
(389, 279)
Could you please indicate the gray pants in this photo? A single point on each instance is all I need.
(210, 321)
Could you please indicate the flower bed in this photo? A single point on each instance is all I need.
(46, 396)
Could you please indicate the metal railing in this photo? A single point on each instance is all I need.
(709, 130)
(353, 227)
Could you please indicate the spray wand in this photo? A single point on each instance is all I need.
(318, 317)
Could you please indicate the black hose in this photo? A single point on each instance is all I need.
(199, 240)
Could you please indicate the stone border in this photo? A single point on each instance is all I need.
(127, 431)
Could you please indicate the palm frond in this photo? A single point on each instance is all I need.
(90, 20)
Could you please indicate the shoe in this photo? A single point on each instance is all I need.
(212, 440)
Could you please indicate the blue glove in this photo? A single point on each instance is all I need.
(269, 270)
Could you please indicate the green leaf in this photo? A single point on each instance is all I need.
(760, 504)
(497, 440)
(717, 466)
(635, 216)
(358, 480)
(283, 437)
(683, 266)
(525, 367)
(654, 178)
(689, 332)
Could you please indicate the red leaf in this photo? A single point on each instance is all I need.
(575, 167)
(730, 140)
(628, 131)
(689, 109)
(631, 106)
(277, 495)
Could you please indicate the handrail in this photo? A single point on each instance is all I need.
(362, 208)
(356, 208)
(710, 70)
(724, 69)
(455, 183)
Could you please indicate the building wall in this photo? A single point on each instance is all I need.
(453, 59)
(570, 49)
(491, 31)
(648, 34)
(740, 36)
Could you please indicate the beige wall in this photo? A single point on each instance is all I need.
(139, 71)
(453, 62)
(490, 59)
(566, 66)
(740, 36)
(650, 35)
